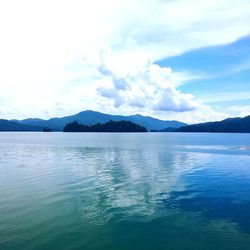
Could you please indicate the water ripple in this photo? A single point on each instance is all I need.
(67, 193)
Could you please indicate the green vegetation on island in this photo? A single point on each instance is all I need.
(111, 126)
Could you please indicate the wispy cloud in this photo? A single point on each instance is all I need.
(226, 97)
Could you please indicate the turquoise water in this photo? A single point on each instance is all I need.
(124, 191)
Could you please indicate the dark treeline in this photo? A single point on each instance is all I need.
(111, 126)
(46, 129)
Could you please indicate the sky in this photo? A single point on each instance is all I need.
(187, 60)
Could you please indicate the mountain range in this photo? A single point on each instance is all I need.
(230, 125)
(6, 125)
(87, 117)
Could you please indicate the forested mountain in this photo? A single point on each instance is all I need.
(6, 125)
(232, 125)
(89, 117)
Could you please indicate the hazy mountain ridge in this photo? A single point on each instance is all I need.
(90, 117)
(6, 125)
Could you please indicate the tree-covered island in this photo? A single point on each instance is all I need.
(111, 126)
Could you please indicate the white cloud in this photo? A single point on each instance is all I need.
(240, 111)
(43, 43)
(147, 85)
(203, 113)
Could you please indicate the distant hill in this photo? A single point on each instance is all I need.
(230, 125)
(89, 117)
(111, 126)
(6, 125)
(169, 129)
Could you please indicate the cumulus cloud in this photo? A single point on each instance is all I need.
(43, 42)
(143, 85)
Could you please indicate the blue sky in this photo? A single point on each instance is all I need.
(185, 60)
(223, 73)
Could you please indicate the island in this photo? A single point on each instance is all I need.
(111, 126)
(47, 129)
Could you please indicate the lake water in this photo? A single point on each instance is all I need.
(124, 191)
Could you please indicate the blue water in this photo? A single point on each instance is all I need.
(124, 191)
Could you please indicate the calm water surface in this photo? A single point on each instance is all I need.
(124, 191)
